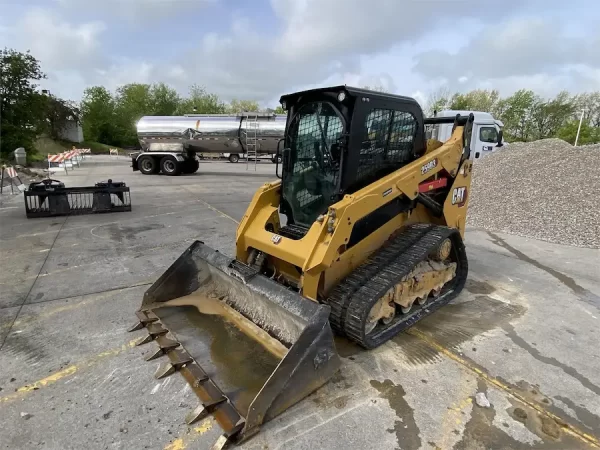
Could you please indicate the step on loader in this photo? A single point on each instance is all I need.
(360, 236)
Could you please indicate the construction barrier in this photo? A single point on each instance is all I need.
(51, 198)
(9, 173)
(113, 151)
(68, 160)
(57, 162)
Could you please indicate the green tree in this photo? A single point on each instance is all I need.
(21, 106)
(548, 117)
(164, 99)
(476, 100)
(516, 112)
(200, 101)
(238, 106)
(132, 102)
(58, 114)
(98, 116)
(279, 110)
(438, 100)
(589, 103)
(587, 135)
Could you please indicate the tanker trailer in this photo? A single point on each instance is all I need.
(171, 143)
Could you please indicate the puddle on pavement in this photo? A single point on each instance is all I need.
(479, 287)
(456, 323)
(405, 428)
(588, 419)
(238, 359)
(480, 431)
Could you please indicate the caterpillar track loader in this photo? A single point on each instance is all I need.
(361, 235)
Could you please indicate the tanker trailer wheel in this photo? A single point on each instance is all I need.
(170, 166)
(191, 166)
(147, 165)
(277, 159)
(233, 158)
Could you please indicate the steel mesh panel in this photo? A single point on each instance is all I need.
(314, 174)
(388, 144)
(72, 201)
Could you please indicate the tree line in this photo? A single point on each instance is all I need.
(527, 116)
(110, 117)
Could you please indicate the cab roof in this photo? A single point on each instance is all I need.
(350, 90)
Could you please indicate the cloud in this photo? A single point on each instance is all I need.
(525, 52)
(59, 44)
(403, 45)
(134, 10)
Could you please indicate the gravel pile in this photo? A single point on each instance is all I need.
(546, 190)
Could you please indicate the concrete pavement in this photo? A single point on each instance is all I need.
(524, 333)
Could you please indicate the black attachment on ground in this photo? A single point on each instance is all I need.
(51, 198)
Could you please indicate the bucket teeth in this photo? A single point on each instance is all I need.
(166, 344)
(144, 318)
(196, 415)
(220, 443)
(156, 329)
(164, 370)
(157, 354)
(178, 360)
(137, 326)
(145, 340)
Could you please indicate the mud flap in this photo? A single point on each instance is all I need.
(265, 349)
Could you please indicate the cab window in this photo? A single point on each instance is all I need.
(488, 134)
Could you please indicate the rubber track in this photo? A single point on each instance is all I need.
(353, 298)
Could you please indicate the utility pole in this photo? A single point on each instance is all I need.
(579, 128)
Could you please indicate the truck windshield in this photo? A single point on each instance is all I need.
(310, 185)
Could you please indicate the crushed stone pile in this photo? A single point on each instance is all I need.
(545, 189)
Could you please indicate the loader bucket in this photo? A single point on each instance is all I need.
(249, 347)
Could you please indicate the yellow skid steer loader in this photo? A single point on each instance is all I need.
(361, 235)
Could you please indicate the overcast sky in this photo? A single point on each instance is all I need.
(260, 49)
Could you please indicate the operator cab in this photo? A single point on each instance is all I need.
(339, 140)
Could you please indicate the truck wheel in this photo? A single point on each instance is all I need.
(147, 165)
(170, 166)
(191, 166)
(277, 159)
(234, 158)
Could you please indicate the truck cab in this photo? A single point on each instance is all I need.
(487, 134)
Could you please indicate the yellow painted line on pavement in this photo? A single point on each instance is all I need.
(218, 211)
(193, 434)
(453, 416)
(492, 381)
(67, 372)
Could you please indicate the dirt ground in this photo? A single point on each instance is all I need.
(524, 333)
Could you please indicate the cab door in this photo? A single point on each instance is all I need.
(485, 140)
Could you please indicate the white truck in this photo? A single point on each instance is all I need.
(487, 134)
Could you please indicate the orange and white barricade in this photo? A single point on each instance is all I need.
(71, 158)
(56, 162)
(113, 152)
(9, 173)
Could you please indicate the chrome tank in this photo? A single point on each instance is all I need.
(218, 133)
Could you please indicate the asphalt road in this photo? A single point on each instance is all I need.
(525, 333)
